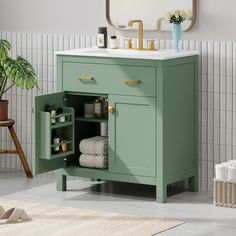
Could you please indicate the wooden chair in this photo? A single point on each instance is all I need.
(19, 151)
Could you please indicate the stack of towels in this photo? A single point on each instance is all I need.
(226, 171)
(94, 152)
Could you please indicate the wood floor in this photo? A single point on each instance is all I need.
(200, 216)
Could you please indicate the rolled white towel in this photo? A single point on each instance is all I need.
(94, 146)
(87, 160)
(101, 162)
(93, 161)
(232, 173)
(87, 146)
(232, 162)
(101, 147)
(221, 171)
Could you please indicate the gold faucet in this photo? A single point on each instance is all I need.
(140, 37)
(140, 32)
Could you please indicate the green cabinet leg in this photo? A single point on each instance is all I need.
(161, 194)
(61, 181)
(193, 184)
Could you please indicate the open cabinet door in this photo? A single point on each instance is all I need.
(44, 159)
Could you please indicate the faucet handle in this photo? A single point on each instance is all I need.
(152, 44)
(129, 43)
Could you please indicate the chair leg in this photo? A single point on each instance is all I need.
(20, 152)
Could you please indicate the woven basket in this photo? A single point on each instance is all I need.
(224, 193)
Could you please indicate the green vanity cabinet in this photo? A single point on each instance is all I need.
(152, 120)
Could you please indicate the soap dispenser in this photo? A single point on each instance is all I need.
(114, 44)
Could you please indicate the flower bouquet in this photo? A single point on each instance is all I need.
(176, 17)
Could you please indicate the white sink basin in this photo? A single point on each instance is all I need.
(126, 53)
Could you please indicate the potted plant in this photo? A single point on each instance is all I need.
(13, 72)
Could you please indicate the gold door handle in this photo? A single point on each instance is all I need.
(132, 81)
(85, 78)
(110, 109)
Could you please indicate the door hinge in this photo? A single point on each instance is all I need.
(65, 98)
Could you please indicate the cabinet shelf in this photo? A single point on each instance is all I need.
(45, 130)
(61, 125)
(59, 144)
(96, 120)
(88, 170)
(62, 114)
(61, 154)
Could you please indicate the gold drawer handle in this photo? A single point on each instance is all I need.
(110, 109)
(132, 81)
(85, 78)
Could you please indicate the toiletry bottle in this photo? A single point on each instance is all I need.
(104, 129)
(105, 106)
(64, 146)
(102, 37)
(97, 108)
(114, 42)
(60, 112)
(55, 140)
(89, 110)
(51, 108)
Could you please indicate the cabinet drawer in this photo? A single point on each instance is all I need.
(109, 79)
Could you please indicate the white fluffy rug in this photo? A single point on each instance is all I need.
(48, 220)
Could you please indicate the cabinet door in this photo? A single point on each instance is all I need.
(132, 135)
(44, 159)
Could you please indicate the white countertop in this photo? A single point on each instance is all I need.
(126, 53)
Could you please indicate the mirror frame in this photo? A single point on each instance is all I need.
(159, 21)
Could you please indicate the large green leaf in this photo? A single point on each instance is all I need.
(5, 47)
(20, 72)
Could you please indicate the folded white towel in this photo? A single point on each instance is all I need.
(232, 173)
(101, 162)
(87, 160)
(221, 171)
(232, 162)
(94, 146)
(93, 161)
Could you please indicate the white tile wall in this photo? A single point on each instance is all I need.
(217, 94)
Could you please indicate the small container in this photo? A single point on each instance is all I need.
(64, 146)
(55, 140)
(104, 129)
(102, 37)
(105, 107)
(52, 109)
(62, 118)
(114, 42)
(89, 110)
(98, 108)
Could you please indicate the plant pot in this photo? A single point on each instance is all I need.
(3, 110)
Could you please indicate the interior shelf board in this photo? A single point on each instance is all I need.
(61, 154)
(62, 114)
(58, 144)
(87, 169)
(60, 125)
(97, 120)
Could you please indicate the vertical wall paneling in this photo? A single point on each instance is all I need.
(217, 93)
